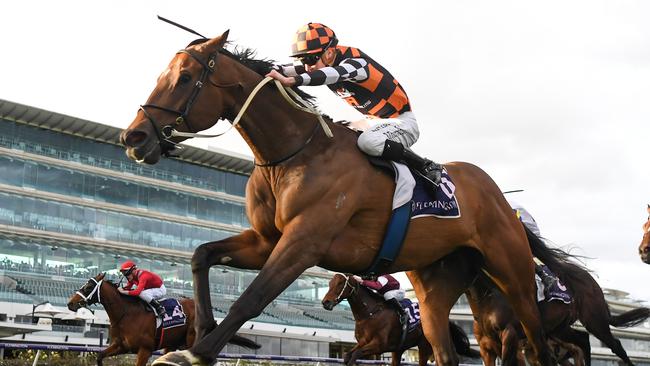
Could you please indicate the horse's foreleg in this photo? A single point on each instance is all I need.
(509, 347)
(296, 251)
(112, 350)
(246, 250)
(424, 351)
(142, 357)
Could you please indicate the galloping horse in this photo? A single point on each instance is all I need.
(314, 200)
(498, 331)
(377, 326)
(133, 328)
(644, 248)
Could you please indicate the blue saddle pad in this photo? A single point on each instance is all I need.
(440, 203)
(174, 314)
(413, 311)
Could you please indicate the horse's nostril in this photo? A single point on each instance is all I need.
(134, 138)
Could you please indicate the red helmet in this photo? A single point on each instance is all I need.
(312, 38)
(127, 267)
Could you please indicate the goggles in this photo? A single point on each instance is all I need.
(309, 60)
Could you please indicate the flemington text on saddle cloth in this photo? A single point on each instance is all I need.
(441, 203)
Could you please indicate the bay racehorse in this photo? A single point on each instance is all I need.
(314, 200)
(377, 325)
(644, 248)
(133, 327)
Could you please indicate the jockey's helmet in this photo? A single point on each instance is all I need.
(313, 38)
(127, 267)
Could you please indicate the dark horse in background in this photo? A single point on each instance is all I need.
(308, 204)
(377, 326)
(499, 333)
(644, 248)
(133, 327)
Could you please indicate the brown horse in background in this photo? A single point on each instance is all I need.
(499, 333)
(644, 248)
(377, 326)
(309, 203)
(133, 327)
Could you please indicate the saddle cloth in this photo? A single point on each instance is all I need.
(174, 314)
(441, 203)
(557, 290)
(413, 311)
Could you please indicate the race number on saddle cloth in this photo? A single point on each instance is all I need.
(413, 311)
(174, 314)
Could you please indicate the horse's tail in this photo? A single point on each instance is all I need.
(559, 261)
(461, 342)
(630, 318)
(244, 342)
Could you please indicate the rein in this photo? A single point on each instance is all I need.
(88, 299)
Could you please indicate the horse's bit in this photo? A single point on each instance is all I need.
(96, 290)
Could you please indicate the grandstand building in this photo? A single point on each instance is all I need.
(72, 205)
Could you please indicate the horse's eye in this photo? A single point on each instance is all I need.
(184, 78)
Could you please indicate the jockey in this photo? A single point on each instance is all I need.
(390, 125)
(389, 287)
(149, 286)
(527, 219)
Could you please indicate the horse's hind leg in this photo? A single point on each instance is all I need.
(600, 329)
(509, 347)
(437, 287)
(397, 358)
(246, 250)
(505, 260)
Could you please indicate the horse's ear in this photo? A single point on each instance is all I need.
(648, 207)
(101, 276)
(217, 42)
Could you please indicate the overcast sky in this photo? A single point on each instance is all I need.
(552, 97)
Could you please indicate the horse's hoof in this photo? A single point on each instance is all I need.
(180, 358)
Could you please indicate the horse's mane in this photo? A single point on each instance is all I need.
(246, 56)
(375, 295)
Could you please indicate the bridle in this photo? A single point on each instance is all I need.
(347, 283)
(88, 299)
(165, 133)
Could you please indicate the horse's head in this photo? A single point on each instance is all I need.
(88, 294)
(644, 248)
(341, 287)
(186, 98)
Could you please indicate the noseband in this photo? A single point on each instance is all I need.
(88, 299)
(347, 283)
(164, 133)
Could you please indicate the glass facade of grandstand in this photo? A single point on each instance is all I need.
(69, 206)
(72, 207)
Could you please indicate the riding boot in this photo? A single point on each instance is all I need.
(427, 169)
(547, 280)
(400, 311)
(159, 308)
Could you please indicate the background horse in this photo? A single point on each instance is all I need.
(377, 326)
(308, 204)
(133, 327)
(644, 248)
(498, 331)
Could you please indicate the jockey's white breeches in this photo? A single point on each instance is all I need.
(398, 294)
(153, 293)
(402, 129)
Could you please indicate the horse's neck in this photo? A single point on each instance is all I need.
(114, 304)
(274, 129)
(363, 303)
